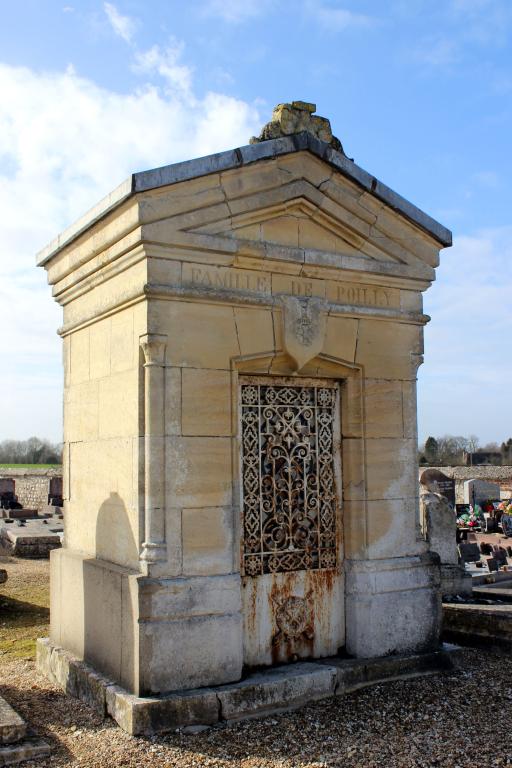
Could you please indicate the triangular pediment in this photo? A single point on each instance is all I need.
(297, 223)
(298, 203)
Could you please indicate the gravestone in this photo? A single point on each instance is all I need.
(469, 553)
(500, 555)
(439, 525)
(6, 485)
(478, 491)
(506, 525)
(435, 481)
(242, 334)
(7, 494)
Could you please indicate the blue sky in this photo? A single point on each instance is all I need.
(418, 91)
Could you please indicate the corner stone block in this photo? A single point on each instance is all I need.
(391, 472)
(255, 330)
(392, 528)
(176, 616)
(200, 335)
(353, 463)
(207, 541)
(354, 529)
(199, 471)
(206, 402)
(383, 408)
(145, 717)
(79, 356)
(341, 338)
(385, 349)
(392, 606)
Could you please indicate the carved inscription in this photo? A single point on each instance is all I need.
(232, 279)
(226, 278)
(366, 295)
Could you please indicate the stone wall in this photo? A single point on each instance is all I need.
(31, 485)
(500, 475)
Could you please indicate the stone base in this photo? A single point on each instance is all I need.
(274, 690)
(16, 745)
(455, 581)
(393, 605)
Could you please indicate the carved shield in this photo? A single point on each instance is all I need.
(304, 321)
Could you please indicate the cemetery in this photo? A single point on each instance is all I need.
(31, 531)
(240, 530)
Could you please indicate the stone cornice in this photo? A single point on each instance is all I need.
(237, 298)
(236, 158)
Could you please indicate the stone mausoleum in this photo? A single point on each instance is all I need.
(242, 334)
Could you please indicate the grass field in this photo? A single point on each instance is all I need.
(24, 606)
(30, 466)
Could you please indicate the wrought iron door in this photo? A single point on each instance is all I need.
(291, 544)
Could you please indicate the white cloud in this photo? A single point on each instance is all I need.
(123, 26)
(465, 381)
(166, 63)
(235, 11)
(64, 143)
(334, 18)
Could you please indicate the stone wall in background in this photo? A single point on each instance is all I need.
(32, 486)
(500, 475)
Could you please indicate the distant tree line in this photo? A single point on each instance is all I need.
(449, 450)
(506, 452)
(31, 451)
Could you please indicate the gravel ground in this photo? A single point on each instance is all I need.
(455, 719)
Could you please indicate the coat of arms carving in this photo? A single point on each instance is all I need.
(304, 321)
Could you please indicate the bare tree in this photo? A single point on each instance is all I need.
(31, 451)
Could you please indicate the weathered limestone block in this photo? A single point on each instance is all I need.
(392, 605)
(294, 118)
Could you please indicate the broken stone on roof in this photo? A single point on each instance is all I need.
(297, 117)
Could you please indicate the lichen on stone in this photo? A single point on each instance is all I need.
(297, 117)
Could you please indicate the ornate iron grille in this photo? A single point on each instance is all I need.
(288, 483)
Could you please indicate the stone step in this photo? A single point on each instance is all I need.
(28, 749)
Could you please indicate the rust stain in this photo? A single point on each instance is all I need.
(250, 585)
(293, 618)
(322, 581)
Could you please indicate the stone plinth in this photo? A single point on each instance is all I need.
(257, 695)
(241, 340)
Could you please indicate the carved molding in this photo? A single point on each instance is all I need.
(153, 346)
